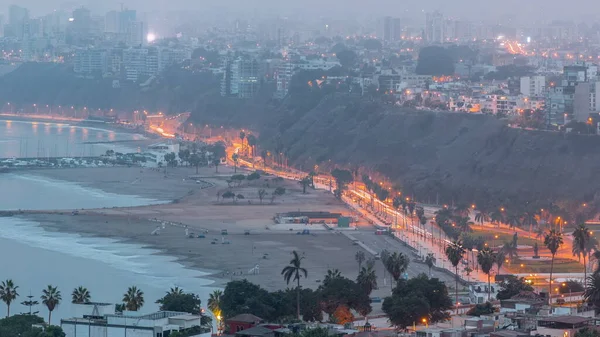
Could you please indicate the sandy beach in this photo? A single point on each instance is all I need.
(191, 201)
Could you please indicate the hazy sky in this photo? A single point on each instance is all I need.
(469, 9)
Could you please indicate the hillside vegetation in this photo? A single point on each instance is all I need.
(441, 156)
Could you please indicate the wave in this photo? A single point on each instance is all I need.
(65, 195)
(162, 271)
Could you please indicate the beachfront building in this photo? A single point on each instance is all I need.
(156, 153)
(129, 323)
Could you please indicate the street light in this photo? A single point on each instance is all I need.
(424, 320)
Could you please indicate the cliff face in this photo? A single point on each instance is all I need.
(450, 156)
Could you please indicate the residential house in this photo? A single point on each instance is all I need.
(242, 322)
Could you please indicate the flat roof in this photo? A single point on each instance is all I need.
(566, 319)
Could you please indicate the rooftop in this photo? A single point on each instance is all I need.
(566, 319)
(255, 331)
(245, 318)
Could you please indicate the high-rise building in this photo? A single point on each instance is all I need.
(17, 18)
(136, 33)
(111, 22)
(533, 85)
(241, 77)
(126, 17)
(390, 29)
(434, 27)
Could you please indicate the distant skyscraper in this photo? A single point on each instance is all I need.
(17, 18)
(390, 29)
(434, 27)
(136, 34)
(111, 22)
(126, 17)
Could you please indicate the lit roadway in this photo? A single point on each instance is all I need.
(419, 238)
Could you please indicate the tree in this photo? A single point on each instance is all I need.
(30, 303)
(486, 259)
(180, 301)
(214, 302)
(293, 272)
(360, 258)
(396, 264)
(133, 299)
(279, 191)
(553, 240)
(184, 155)
(482, 217)
(367, 279)
(416, 298)
(242, 137)
(195, 161)
(592, 292)
(581, 245)
(347, 58)
(51, 298)
(8, 293)
(305, 182)
(511, 286)
(430, 262)
(218, 151)
(80, 295)
(251, 141)
(18, 325)
(454, 253)
(481, 309)
(500, 257)
(261, 194)
(342, 178)
(337, 290)
(587, 332)
(342, 315)
(435, 61)
(228, 195)
(235, 157)
(171, 159)
(240, 297)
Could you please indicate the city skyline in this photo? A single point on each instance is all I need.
(511, 11)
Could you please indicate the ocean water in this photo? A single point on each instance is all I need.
(34, 257)
(25, 139)
(31, 192)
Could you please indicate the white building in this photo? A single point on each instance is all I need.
(131, 324)
(434, 27)
(156, 153)
(533, 85)
(288, 67)
(478, 292)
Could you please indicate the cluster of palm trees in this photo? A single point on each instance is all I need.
(394, 263)
(51, 297)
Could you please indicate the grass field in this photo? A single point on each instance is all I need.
(497, 239)
(543, 266)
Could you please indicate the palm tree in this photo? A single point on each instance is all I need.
(454, 253)
(214, 302)
(482, 217)
(510, 250)
(133, 299)
(236, 158)
(581, 246)
(242, 136)
(360, 258)
(430, 262)
(367, 279)
(51, 299)
(486, 259)
(396, 264)
(294, 272)
(592, 292)
(552, 241)
(8, 293)
(500, 257)
(175, 291)
(80, 295)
